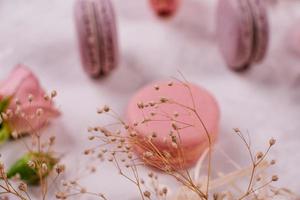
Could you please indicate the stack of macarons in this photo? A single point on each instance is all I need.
(242, 31)
(193, 132)
(96, 27)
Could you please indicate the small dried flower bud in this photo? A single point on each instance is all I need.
(153, 135)
(150, 174)
(163, 100)
(174, 145)
(44, 168)
(46, 97)
(176, 114)
(31, 164)
(259, 155)
(106, 108)
(1, 166)
(39, 112)
(87, 152)
(60, 195)
(152, 103)
(53, 94)
(148, 154)
(9, 113)
(237, 130)
(147, 194)
(51, 140)
(99, 111)
(23, 187)
(140, 105)
(273, 162)
(170, 83)
(93, 169)
(135, 124)
(91, 137)
(133, 134)
(275, 178)
(4, 116)
(174, 126)
(272, 141)
(130, 156)
(17, 102)
(60, 168)
(165, 190)
(30, 98)
(110, 159)
(15, 134)
(156, 87)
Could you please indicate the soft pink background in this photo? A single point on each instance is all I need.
(264, 101)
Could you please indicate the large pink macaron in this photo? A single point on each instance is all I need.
(96, 27)
(165, 8)
(242, 32)
(193, 137)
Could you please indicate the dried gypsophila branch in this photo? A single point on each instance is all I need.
(37, 163)
(255, 172)
(121, 144)
(124, 143)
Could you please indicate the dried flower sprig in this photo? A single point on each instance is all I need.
(35, 166)
(117, 143)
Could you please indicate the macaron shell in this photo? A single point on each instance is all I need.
(95, 22)
(107, 27)
(193, 137)
(235, 32)
(85, 35)
(293, 38)
(206, 106)
(261, 35)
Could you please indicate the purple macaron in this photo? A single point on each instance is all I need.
(242, 32)
(96, 27)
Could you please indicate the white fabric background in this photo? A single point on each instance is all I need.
(264, 100)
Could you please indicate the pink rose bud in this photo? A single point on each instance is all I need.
(165, 8)
(24, 108)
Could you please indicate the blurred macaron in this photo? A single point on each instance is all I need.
(165, 8)
(242, 32)
(164, 104)
(293, 38)
(97, 35)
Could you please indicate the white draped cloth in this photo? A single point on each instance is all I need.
(265, 100)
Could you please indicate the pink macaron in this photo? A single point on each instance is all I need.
(293, 39)
(96, 27)
(155, 117)
(242, 32)
(165, 8)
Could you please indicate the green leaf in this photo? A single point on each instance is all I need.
(4, 132)
(32, 175)
(4, 104)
